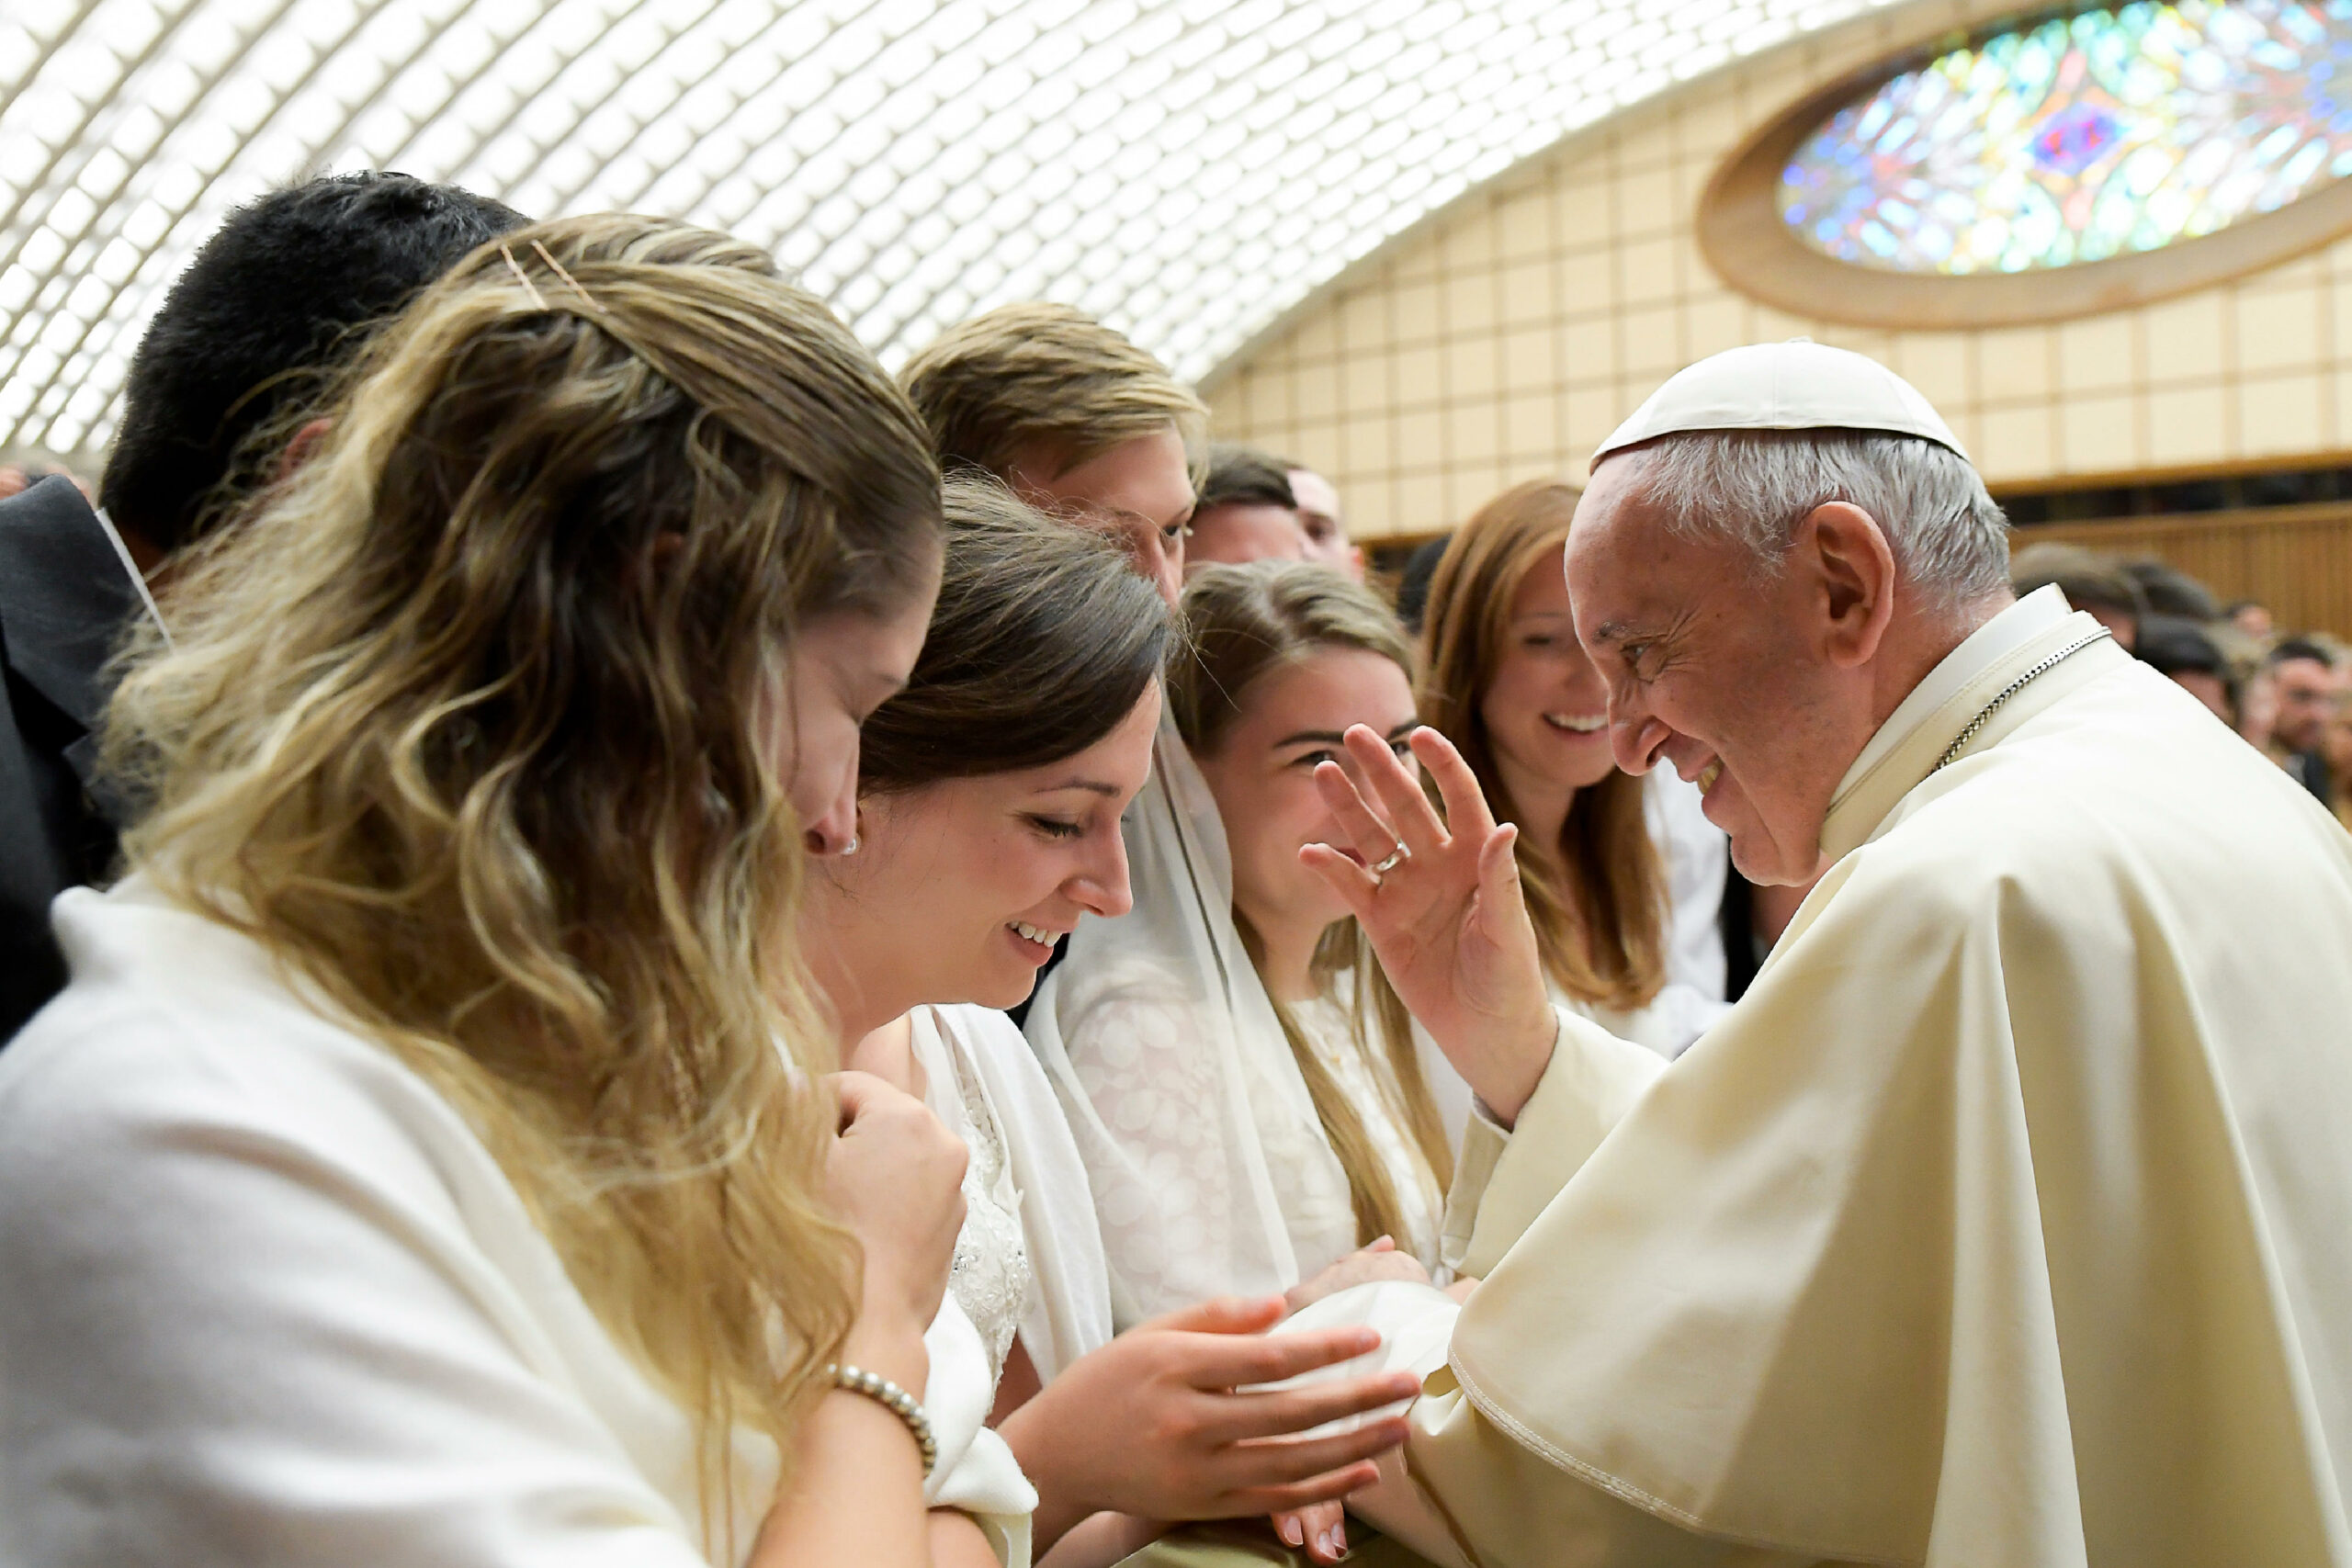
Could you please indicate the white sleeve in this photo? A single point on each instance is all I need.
(976, 1473)
(230, 1339)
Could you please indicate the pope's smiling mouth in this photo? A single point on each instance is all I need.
(1709, 774)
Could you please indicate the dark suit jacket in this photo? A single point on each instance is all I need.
(66, 597)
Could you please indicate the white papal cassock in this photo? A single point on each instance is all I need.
(2006, 1222)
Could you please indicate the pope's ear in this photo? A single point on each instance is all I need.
(1847, 551)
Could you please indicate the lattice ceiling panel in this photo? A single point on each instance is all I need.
(1188, 169)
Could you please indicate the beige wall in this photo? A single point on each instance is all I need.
(1506, 337)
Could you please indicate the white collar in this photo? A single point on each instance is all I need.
(138, 578)
(2011, 629)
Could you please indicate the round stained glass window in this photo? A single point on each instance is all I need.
(2082, 139)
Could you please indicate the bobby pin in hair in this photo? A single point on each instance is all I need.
(524, 278)
(587, 299)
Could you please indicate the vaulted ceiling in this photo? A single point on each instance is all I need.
(1188, 169)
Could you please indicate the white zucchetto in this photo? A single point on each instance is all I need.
(1797, 385)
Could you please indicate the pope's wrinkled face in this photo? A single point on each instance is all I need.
(1715, 672)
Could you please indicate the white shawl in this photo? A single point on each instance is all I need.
(1068, 1308)
(1210, 1171)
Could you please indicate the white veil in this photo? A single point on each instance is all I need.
(1210, 1170)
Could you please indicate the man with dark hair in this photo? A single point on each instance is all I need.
(273, 303)
(1247, 512)
(265, 311)
(2305, 681)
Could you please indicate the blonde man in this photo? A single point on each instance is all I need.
(1079, 421)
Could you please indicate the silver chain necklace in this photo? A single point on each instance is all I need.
(1975, 724)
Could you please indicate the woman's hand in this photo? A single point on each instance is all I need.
(1321, 1529)
(1374, 1261)
(1151, 1424)
(896, 1177)
(1447, 922)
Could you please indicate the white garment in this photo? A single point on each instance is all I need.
(985, 1083)
(1210, 1171)
(2003, 1223)
(990, 1275)
(266, 1300)
(1697, 857)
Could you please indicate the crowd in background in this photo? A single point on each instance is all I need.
(2288, 693)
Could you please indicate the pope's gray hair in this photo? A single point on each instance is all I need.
(1948, 537)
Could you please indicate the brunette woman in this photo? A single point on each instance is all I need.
(988, 825)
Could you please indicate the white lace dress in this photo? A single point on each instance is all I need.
(990, 1274)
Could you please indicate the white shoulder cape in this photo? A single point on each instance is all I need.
(1068, 1311)
(2003, 1223)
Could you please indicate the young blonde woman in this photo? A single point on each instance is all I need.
(1248, 1148)
(411, 1174)
(1612, 865)
(988, 825)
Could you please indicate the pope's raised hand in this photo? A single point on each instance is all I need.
(1441, 903)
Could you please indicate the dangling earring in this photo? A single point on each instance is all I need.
(857, 821)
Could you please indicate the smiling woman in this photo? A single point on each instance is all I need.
(1250, 1109)
(1607, 859)
(987, 821)
(990, 790)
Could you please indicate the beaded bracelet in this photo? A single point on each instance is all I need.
(894, 1399)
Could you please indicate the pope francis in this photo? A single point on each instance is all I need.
(2006, 1222)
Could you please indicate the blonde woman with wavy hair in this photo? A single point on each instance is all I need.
(410, 1173)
